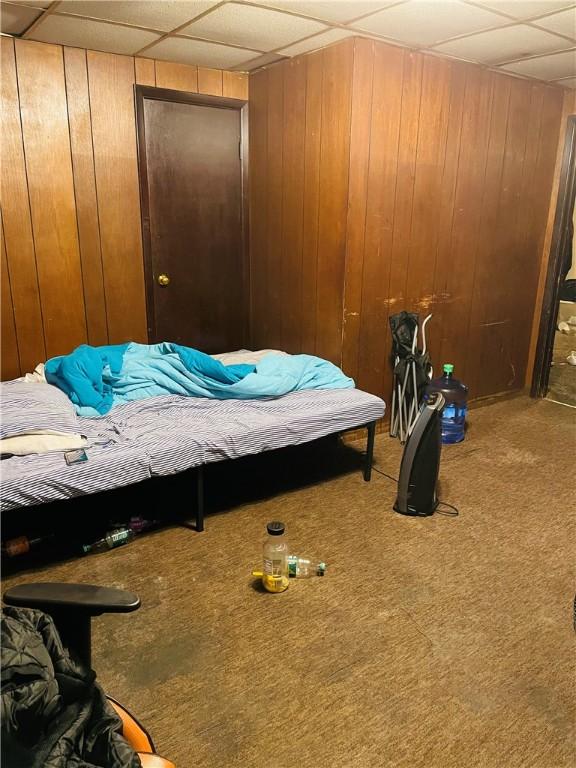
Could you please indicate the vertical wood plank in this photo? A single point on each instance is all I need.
(472, 372)
(210, 81)
(501, 367)
(52, 203)
(80, 123)
(290, 307)
(275, 167)
(454, 280)
(442, 301)
(9, 357)
(432, 137)
(382, 173)
(111, 81)
(259, 311)
(314, 76)
(235, 85)
(145, 71)
(19, 241)
(179, 77)
(407, 154)
(404, 189)
(526, 246)
(334, 164)
(360, 136)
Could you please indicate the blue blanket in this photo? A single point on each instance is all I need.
(97, 378)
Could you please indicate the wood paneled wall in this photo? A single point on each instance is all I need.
(382, 180)
(72, 268)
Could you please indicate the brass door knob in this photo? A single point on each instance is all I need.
(163, 279)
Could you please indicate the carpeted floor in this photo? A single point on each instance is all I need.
(441, 642)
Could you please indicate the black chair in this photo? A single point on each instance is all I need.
(72, 607)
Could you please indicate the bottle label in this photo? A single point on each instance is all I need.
(292, 566)
(452, 412)
(116, 538)
(273, 567)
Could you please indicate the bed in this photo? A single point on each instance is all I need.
(170, 434)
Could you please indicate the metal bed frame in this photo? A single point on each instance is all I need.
(197, 521)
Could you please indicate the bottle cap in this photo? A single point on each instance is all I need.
(275, 528)
(448, 368)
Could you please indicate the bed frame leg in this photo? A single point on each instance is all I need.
(200, 499)
(369, 451)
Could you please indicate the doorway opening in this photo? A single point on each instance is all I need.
(555, 364)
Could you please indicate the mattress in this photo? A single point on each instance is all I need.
(165, 435)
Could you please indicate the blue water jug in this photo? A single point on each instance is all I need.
(454, 413)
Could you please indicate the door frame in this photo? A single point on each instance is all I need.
(147, 92)
(551, 298)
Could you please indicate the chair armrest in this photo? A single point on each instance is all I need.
(89, 599)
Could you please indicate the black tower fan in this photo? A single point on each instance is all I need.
(421, 461)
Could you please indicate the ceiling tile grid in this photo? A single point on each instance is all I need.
(528, 38)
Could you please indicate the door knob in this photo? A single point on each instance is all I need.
(163, 279)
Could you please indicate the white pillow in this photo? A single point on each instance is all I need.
(27, 409)
(23, 445)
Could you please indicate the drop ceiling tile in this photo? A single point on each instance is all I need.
(165, 15)
(546, 67)
(260, 61)
(525, 9)
(563, 23)
(97, 35)
(15, 19)
(318, 41)
(32, 3)
(569, 82)
(340, 11)
(253, 27)
(517, 42)
(186, 51)
(420, 22)
(27, 3)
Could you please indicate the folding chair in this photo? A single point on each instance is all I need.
(412, 372)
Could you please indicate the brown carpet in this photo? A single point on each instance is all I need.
(430, 642)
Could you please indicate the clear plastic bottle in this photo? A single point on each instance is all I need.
(304, 567)
(112, 539)
(301, 568)
(275, 559)
(455, 394)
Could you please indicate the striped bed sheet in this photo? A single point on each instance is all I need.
(169, 434)
(179, 433)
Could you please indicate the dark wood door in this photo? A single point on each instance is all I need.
(192, 205)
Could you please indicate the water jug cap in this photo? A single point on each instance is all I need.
(275, 528)
(448, 368)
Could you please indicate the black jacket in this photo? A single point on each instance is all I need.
(54, 714)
